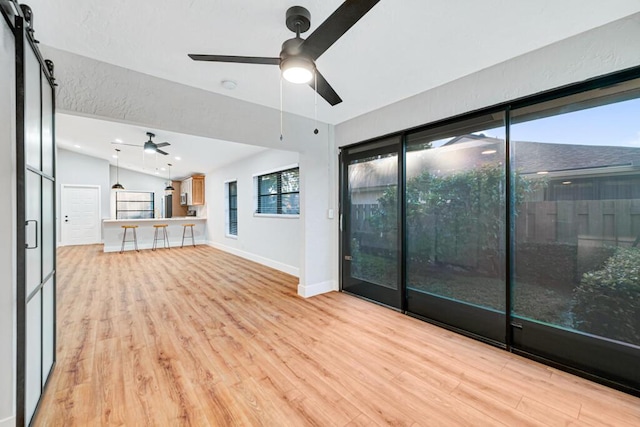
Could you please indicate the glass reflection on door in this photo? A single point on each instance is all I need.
(374, 220)
(371, 262)
(578, 229)
(455, 216)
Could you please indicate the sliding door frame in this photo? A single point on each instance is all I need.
(383, 298)
(22, 32)
(512, 328)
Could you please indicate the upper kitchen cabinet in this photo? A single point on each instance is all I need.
(193, 187)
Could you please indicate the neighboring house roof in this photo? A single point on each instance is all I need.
(471, 151)
(531, 157)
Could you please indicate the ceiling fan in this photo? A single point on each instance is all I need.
(149, 146)
(298, 55)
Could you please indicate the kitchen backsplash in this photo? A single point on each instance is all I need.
(200, 211)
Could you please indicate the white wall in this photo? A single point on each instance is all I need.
(136, 181)
(319, 194)
(602, 50)
(80, 169)
(275, 242)
(8, 256)
(102, 90)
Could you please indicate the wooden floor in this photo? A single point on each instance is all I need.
(196, 336)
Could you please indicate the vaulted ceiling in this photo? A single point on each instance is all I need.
(399, 49)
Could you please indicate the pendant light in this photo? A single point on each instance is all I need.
(117, 185)
(169, 187)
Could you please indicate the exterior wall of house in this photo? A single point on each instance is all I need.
(602, 50)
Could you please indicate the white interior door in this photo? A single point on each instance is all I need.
(80, 209)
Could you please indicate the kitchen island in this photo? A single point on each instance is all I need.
(112, 232)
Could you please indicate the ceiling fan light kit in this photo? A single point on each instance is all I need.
(297, 57)
(297, 70)
(149, 147)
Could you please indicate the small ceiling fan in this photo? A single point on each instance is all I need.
(298, 55)
(149, 146)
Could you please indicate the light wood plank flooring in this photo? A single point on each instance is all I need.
(196, 336)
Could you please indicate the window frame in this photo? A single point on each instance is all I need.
(126, 201)
(278, 173)
(228, 219)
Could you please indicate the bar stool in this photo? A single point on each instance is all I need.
(124, 237)
(163, 236)
(193, 241)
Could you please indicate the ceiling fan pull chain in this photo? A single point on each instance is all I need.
(281, 120)
(315, 101)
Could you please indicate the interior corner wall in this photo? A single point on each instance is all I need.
(80, 169)
(8, 225)
(274, 242)
(319, 209)
(606, 49)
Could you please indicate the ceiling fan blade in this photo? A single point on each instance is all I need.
(162, 152)
(325, 90)
(239, 59)
(162, 144)
(335, 26)
(121, 143)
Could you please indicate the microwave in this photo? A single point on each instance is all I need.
(183, 199)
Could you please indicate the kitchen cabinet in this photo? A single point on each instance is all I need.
(176, 208)
(185, 188)
(193, 187)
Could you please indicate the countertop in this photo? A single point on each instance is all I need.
(175, 218)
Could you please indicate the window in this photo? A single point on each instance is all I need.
(576, 252)
(134, 205)
(279, 192)
(232, 208)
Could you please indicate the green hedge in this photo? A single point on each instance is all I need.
(608, 300)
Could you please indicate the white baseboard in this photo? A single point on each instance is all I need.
(289, 269)
(8, 422)
(314, 289)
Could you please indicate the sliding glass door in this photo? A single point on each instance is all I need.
(518, 225)
(576, 287)
(456, 219)
(371, 232)
(35, 158)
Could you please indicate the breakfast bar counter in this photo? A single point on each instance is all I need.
(112, 232)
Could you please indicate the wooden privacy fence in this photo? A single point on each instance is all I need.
(574, 236)
(614, 221)
(360, 214)
(556, 221)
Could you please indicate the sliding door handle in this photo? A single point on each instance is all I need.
(26, 224)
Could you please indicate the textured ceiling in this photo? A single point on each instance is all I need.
(196, 155)
(399, 49)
